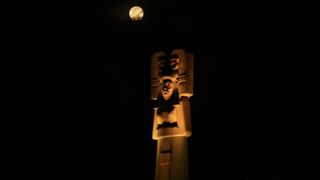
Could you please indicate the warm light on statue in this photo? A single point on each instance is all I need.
(172, 85)
(171, 89)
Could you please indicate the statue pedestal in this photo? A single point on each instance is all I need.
(172, 159)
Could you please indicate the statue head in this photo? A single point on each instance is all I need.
(171, 74)
(168, 71)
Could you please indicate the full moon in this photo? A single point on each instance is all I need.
(136, 13)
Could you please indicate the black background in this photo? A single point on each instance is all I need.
(90, 89)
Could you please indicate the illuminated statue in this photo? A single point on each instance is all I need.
(171, 88)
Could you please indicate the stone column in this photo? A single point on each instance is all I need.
(171, 88)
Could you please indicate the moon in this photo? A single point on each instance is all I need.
(136, 13)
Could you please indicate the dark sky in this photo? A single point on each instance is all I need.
(92, 89)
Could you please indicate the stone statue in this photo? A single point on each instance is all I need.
(171, 88)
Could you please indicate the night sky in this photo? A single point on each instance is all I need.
(93, 114)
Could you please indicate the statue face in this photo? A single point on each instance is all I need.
(167, 88)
